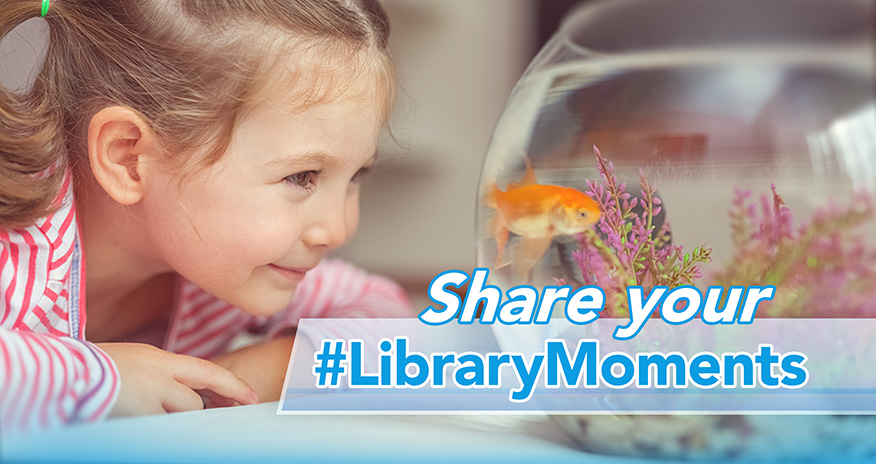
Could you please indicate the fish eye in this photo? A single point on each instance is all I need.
(584, 214)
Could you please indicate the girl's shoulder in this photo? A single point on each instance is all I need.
(59, 228)
(37, 264)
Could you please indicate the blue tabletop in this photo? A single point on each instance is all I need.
(256, 434)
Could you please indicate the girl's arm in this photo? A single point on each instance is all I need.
(47, 377)
(47, 380)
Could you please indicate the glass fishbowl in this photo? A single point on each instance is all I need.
(694, 142)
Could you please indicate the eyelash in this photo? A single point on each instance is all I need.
(304, 180)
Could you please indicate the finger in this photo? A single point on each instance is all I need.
(200, 374)
(181, 398)
(215, 400)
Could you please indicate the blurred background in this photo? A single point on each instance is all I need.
(458, 61)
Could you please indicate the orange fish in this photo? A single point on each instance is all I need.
(537, 213)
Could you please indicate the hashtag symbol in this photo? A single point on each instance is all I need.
(330, 364)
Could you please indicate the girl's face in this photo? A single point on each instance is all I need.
(286, 192)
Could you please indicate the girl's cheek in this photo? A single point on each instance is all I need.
(273, 241)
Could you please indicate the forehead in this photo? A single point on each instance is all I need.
(305, 99)
(316, 75)
(342, 129)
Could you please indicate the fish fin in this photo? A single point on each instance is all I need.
(527, 253)
(528, 177)
(500, 233)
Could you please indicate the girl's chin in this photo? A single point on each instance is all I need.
(268, 305)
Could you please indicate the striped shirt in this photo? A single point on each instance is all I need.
(49, 374)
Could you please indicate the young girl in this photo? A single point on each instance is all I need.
(202, 157)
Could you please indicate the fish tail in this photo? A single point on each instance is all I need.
(527, 254)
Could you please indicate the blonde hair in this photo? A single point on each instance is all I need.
(189, 67)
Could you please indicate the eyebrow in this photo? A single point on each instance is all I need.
(319, 158)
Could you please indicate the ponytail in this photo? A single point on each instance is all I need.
(32, 148)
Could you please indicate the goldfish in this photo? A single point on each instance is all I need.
(537, 213)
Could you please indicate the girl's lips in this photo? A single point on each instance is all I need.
(296, 274)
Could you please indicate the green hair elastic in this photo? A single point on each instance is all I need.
(45, 9)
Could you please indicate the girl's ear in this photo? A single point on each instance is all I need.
(120, 145)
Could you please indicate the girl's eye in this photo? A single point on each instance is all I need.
(305, 179)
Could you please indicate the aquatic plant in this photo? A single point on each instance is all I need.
(825, 267)
(630, 249)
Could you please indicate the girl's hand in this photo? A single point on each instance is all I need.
(262, 365)
(155, 381)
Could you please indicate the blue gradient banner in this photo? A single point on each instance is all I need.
(774, 366)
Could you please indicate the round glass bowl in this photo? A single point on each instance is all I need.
(702, 142)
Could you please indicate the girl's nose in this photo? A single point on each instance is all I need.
(329, 226)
